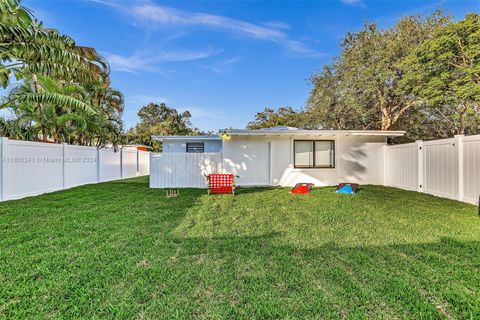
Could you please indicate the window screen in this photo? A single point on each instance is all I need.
(314, 154)
(195, 147)
(324, 154)
(303, 154)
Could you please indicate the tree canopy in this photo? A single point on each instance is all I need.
(62, 91)
(444, 72)
(283, 116)
(159, 119)
(421, 75)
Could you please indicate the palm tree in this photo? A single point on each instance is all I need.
(27, 50)
(64, 91)
(50, 118)
(107, 125)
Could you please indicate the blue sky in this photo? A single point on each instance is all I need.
(223, 61)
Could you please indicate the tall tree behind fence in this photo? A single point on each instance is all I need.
(32, 168)
(448, 168)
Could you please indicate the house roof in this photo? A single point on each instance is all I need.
(188, 138)
(283, 130)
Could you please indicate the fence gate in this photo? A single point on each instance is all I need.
(448, 168)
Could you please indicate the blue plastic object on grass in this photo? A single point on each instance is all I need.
(347, 189)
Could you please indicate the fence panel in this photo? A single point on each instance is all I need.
(31, 168)
(177, 170)
(80, 165)
(129, 163)
(440, 171)
(401, 166)
(143, 163)
(471, 168)
(110, 165)
(448, 168)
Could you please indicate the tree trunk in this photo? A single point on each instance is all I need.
(36, 89)
(386, 122)
(462, 113)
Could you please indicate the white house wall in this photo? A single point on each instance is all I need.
(210, 146)
(269, 161)
(247, 157)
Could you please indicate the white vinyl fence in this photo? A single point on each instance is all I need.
(448, 168)
(32, 168)
(181, 170)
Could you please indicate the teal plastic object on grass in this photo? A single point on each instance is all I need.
(346, 189)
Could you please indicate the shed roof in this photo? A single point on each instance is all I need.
(187, 138)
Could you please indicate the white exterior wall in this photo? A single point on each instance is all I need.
(249, 158)
(269, 161)
(210, 146)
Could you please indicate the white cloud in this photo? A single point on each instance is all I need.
(165, 15)
(353, 2)
(150, 61)
(276, 24)
(273, 31)
(222, 67)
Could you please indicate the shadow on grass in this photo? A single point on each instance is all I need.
(429, 281)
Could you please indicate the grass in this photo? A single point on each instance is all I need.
(122, 250)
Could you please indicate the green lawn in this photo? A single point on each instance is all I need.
(122, 250)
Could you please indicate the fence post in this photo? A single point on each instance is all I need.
(420, 165)
(138, 163)
(121, 163)
(98, 165)
(384, 172)
(64, 147)
(3, 154)
(458, 145)
(150, 170)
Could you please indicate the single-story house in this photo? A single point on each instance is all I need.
(284, 156)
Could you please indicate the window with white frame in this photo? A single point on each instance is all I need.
(314, 154)
(195, 147)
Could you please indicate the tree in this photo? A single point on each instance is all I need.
(29, 49)
(330, 106)
(64, 90)
(284, 116)
(96, 121)
(159, 119)
(360, 90)
(445, 73)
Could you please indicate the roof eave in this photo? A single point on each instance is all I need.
(317, 133)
